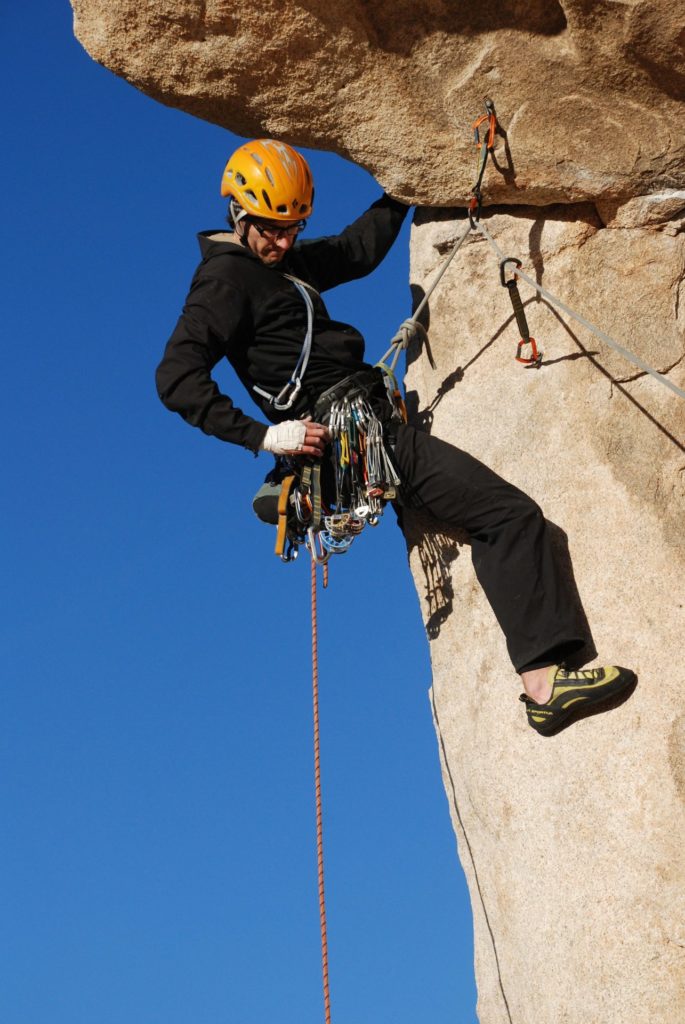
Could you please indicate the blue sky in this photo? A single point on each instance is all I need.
(158, 859)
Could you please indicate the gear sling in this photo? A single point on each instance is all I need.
(326, 504)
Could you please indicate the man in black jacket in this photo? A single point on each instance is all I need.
(255, 300)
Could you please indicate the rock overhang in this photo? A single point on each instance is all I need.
(588, 93)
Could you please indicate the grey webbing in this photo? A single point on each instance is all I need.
(285, 397)
(630, 356)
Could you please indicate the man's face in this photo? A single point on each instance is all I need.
(269, 240)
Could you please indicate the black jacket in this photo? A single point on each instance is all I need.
(250, 313)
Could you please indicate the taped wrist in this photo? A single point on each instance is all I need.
(285, 437)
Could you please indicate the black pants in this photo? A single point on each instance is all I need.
(510, 545)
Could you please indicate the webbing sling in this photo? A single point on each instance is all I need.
(310, 486)
(287, 395)
(282, 528)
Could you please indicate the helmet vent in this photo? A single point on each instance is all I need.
(269, 179)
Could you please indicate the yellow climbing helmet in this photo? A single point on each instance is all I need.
(269, 179)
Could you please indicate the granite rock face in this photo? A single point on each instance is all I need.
(572, 845)
(587, 90)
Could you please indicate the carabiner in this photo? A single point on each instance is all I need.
(318, 552)
(303, 506)
(491, 117)
(335, 545)
(535, 359)
(291, 552)
(503, 267)
(474, 208)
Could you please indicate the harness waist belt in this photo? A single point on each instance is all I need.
(368, 382)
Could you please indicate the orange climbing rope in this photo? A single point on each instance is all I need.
(317, 790)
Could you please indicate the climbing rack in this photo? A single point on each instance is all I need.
(364, 480)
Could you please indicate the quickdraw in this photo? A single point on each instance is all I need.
(535, 357)
(484, 146)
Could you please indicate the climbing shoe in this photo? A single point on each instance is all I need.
(572, 692)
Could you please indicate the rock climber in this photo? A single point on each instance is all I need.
(245, 304)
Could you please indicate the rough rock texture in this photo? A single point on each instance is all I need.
(587, 90)
(572, 845)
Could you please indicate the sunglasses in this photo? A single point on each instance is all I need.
(274, 234)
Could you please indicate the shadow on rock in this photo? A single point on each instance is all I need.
(437, 549)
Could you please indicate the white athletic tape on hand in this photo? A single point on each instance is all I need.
(285, 437)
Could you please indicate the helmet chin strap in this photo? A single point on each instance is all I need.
(236, 214)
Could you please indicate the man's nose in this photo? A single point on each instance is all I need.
(285, 242)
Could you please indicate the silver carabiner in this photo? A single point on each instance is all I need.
(319, 554)
(291, 552)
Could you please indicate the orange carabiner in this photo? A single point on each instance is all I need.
(491, 118)
(492, 128)
(534, 359)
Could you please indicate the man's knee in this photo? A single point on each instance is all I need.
(517, 507)
(528, 515)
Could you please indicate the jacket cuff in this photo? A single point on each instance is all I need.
(255, 436)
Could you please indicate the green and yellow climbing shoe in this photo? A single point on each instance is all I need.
(573, 691)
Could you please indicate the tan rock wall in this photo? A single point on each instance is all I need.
(587, 90)
(572, 845)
